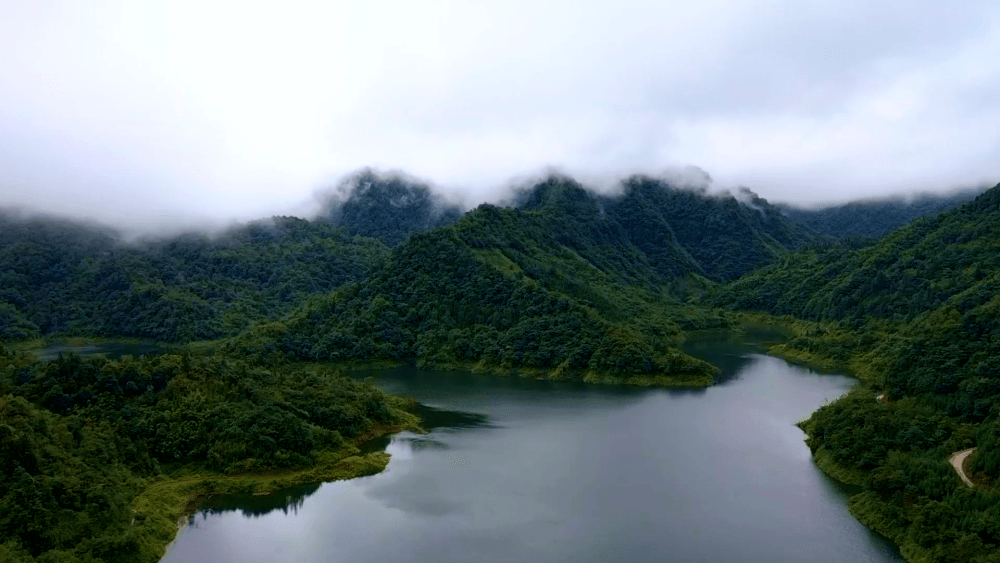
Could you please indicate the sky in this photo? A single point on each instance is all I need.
(157, 113)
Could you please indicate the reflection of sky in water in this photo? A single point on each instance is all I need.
(517, 469)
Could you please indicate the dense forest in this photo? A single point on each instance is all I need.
(917, 314)
(66, 278)
(605, 279)
(386, 207)
(62, 278)
(567, 283)
(725, 237)
(99, 457)
(874, 218)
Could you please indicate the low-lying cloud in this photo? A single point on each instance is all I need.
(150, 113)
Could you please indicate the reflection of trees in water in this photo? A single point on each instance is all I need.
(423, 443)
(732, 352)
(290, 500)
(434, 419)
(285, 500)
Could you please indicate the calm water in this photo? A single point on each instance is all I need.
(111, 350)
(526, 470)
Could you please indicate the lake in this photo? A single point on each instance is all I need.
(519, 469)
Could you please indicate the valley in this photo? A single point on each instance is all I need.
(256, 328)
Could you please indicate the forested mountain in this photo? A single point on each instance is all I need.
(726, 237)
(565, 283)
(949, 260)
(387, 207)
(559, 284)
(59, 277)
(919, 315)
(874, 218)
(62, 277)
(556, 289)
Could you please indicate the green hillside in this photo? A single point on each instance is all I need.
(63, 278)
(567, 283)
(554, 287)
(387, 207)
(726, 237)
(919, 316)
(99, 459)
(875, 218)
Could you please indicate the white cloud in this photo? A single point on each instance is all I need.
(144, 112)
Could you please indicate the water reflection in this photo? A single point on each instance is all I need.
(401, 446)
(432, 419)
(288, 501)
(732, 351)
(524, 470)
(439, 419)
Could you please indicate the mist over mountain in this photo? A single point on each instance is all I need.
(62, 277)
(917, 315)
(567, 283)
(197, 133)
(388, 207)
(725, 235)
(873, 218)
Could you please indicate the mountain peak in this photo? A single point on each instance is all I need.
(387, 206)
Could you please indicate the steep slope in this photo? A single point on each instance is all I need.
(567, 283)
(726, 237)
(37, 256)
(948, 259)
(387, 207)
(877, 217)
(555, 288)
(918, 314)
(59, 277)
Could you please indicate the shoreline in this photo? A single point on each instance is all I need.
(191, 491)
(665, 381)
(182, 523)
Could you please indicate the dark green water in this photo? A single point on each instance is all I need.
(527, 470)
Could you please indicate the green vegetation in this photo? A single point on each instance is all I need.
(556, 286)
(389, 208)
(99, 459)
(719, 237)
(59, 278)
(875, 218)
(917, 314)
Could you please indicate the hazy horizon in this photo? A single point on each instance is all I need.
(319, 202)
(154, 114)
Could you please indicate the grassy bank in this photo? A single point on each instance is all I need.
(160, 511)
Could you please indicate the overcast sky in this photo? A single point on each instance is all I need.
(145, 112)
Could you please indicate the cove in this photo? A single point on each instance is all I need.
(516, 469)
